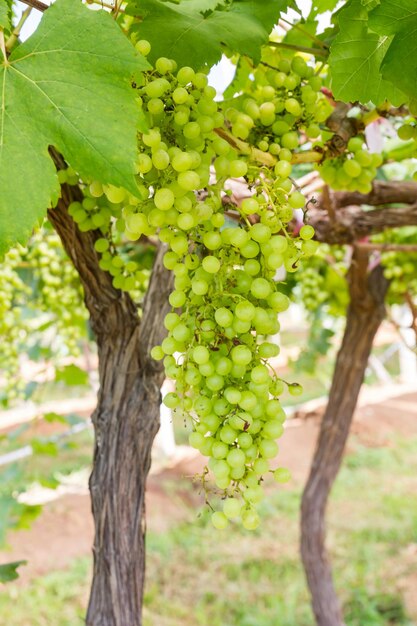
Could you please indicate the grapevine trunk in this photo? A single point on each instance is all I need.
(126, 419)
(365, 314)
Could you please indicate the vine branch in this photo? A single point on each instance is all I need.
(309, 50)
(305, 32)
(36, 4)
(387, 247)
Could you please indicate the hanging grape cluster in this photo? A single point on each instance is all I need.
(225, 300)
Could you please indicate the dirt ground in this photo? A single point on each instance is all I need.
(64, 530)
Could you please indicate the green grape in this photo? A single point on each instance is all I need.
(223, 317)
(219, 520)
(260, 288)
(352, 168)
(164, 199)
(282, 475)
(211, 264)
(306, 232)
(232, 508)
(283, 169)
(238, 168)
(406, 132)
(143, 46)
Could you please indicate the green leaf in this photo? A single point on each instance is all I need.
(28, 514)
(68, 85)
(299, 36)
(4, 15)
(54, 417)
(355, 60)
(8, 571)
(399, 66)
(320, 6)
(71, 375)
(194, 36)
(370, 4)
(40, 446)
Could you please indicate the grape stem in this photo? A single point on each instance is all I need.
(116, 9)
(106, 5)
(305, 32)
(316, 52)
(245, 148)
(309, 156)
(3, 48)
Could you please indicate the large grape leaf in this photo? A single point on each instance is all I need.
(355, 59)
(193, 33)
(68, 86)
(400, 62)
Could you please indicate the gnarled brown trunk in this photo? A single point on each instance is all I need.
(365, 314)
(125, 421)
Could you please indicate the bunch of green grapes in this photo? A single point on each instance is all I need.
(217, 352)
(56, 288)
(225, 300)
(311, 287)
(320, 282)
(354, 170)
(399, 267)
(282, 104)
(13, 329)
(39, 287)
(101, 209)
(401, 270)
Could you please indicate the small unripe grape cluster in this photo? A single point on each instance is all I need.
(35, 281)
(57, 289)
(282, 103)
(399, 267)
(354, 170)
(321, 281)
(102, 209)
(311, 288)
(13, 326)
(401, 270)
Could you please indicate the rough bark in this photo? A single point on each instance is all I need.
(126, 421)
(383, 192)
(365, 314)
(353, 223)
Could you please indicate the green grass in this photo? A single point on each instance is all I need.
(201, 577)
(57, 599)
